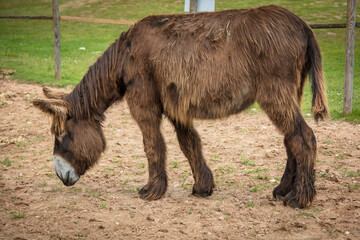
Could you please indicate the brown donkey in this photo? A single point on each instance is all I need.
(204, 66)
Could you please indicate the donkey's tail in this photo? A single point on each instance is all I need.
(319, 102)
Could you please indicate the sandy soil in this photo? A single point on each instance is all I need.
(244, 151)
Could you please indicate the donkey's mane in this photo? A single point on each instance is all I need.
(98, 86)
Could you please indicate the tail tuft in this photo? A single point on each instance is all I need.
(319, 102)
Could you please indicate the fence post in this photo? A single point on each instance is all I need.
(349, 56)
(193, 6)
(57, 55)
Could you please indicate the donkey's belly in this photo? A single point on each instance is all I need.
(206, 101)
(219, 108)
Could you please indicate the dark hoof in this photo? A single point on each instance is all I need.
(153, 191)
(279, 193)
(294, 201)
(278, 197)
(202, 194)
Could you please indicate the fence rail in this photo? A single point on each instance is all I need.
(110, 21)
(96, 20)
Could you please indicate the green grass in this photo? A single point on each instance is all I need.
(27, 45)
(6, 162)
(250, 204)
(18, 215)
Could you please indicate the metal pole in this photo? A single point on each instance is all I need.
(57, 53)
(349, 56)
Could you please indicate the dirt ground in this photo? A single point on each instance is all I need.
(246, 155)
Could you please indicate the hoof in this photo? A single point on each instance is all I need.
(279, 193)
(294, 200)
(278, 197)
(202, 194)
(152, 191)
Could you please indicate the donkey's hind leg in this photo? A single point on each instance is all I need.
(297, 184)
(288, 178)
(190, 145)
(149, 119)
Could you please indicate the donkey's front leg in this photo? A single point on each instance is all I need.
(155, 150)
(148, 116)
(190, 145)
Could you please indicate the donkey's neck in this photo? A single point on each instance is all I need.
(99, 88)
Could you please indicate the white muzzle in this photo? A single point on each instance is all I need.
(65, 171)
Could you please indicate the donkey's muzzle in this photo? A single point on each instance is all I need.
(65, 171)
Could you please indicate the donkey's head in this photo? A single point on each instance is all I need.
(78, 142)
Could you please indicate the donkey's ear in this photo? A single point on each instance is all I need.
(54, 94)
(54, 107)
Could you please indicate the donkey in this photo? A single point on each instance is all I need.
(196, 66)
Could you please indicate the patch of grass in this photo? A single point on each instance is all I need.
(21, 144)
(254, 189)
(215, 157)
(320, 161)
(341, 157)
(116, 160)
(347, 173)
(6, 162)
(327, 152)
(250, 204)
(259, 187)
(329, 142)
(309, 213)
(265, 178)
(230, 183)
(351, 186)
(18, 215)
(141, 165)
(322, 175)
(256, 170)
(57, 189)
(43, 184)
(175, 165)
(75, 189)
(228, 169)
(306, 214)
(247, 162)
(102, 205)
(92, 193)
(126, 181)
(185, 176)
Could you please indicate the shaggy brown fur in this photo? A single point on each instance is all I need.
(205, 65)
